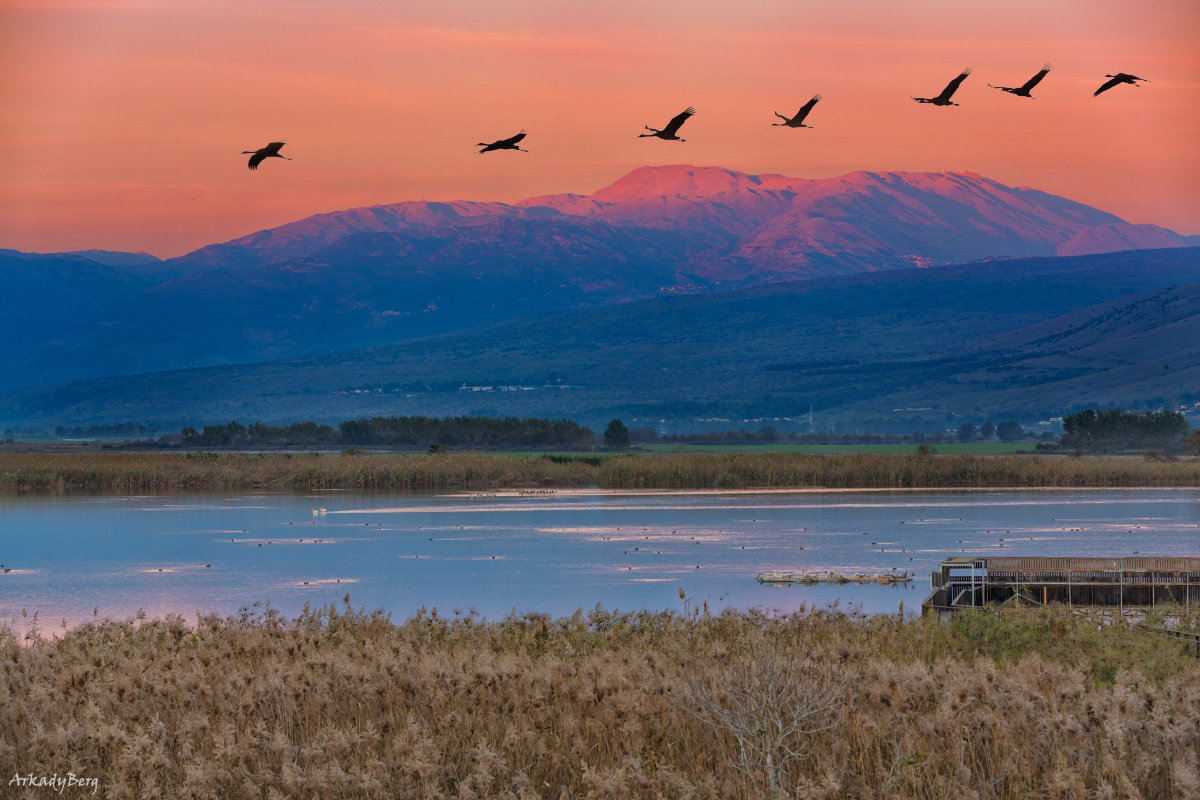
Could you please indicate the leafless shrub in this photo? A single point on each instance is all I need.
(767, 704)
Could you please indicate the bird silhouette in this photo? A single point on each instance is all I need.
(1120, 77)
(270, 151)
(669, 132)
(798, 120)
(943, 99)
(504, 144)
(1024, 89)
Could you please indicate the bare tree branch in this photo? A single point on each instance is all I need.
(768, 704)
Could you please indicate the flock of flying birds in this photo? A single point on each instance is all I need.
(671, 131)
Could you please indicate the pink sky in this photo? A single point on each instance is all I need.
(122, 121)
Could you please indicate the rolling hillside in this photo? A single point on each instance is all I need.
(374, 275)
(1026, 338)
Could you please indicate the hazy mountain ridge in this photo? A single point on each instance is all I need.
(1025, 337)
(1112, 354)
(373, 275)
(109, 258)
(311, 234)
(114, 258)
(771, 226)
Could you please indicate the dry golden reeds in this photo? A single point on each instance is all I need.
(160, 472)
(345, 704)
(203, 471)
(887, 471)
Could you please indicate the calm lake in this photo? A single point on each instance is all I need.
(552, 553)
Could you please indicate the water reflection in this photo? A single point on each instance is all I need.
(553, 553)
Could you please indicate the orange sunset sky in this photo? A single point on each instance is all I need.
(122, 121)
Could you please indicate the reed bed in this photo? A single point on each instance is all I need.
(203, 471)
(888, 471)
(160, 472)
(346, 704)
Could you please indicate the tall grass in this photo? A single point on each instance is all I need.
(887, 471)
(345, 704)
(156, 472)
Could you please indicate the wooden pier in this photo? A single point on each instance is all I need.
(966, 582)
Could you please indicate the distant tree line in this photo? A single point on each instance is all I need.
(115, 430)
(1007, 431)
(234, 435)
(118, 430)
(470, 432)
(769, 435)
(1113, 430)
(616, 436)
(417, 432)
(1090, 430)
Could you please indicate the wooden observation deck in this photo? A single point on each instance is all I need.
(966, 581)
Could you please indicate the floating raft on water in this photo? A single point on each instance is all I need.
(833, 577)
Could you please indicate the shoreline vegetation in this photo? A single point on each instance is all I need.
(49, 473)
(339, 703)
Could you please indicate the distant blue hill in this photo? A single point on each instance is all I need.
(115, 258)
(375, 275)
(1020, 338)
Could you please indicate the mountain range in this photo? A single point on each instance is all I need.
(740, 229)
(1022, 338)
(405, 272)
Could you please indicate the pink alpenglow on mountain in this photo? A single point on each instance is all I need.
(751, 228)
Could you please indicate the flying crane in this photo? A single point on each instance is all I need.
(670, 132)
(1120, 77)
(798, 120)
(504, 144)
(943, 99)
(270, 151)
(1024, 89)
